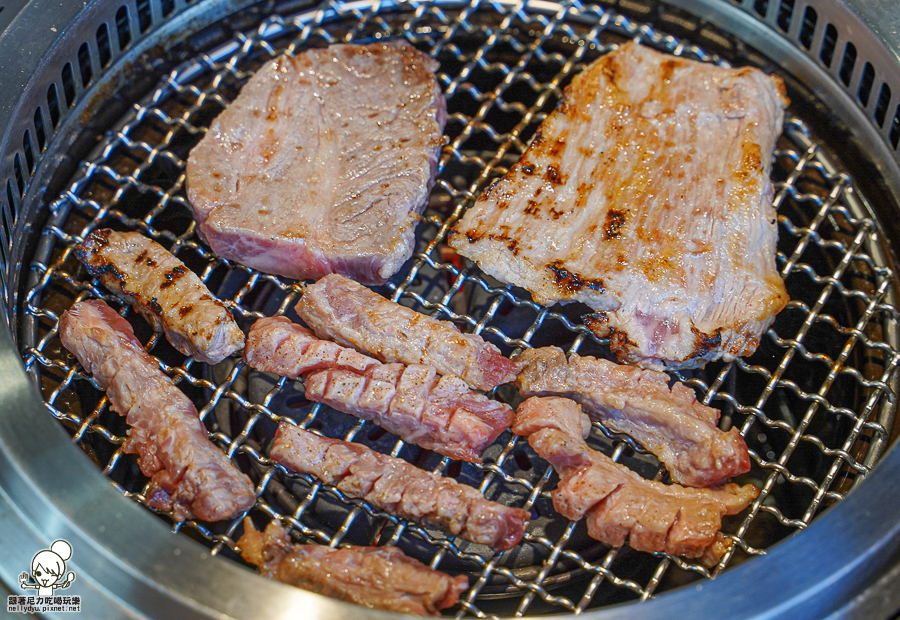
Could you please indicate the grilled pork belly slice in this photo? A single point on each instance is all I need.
(188, 474)
(618, 503)
(348, 313)
(323, 163)
(375, 577)
(164, 291)
(646, 195)
(399, 488)
(680, 431)
(413, 402)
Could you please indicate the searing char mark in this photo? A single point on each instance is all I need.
(615, 222)
(571, 282)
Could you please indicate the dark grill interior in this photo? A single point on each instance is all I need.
(813, 403)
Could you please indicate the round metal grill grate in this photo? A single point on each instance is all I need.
(814, 403)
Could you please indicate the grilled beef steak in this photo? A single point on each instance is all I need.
(375, 577)
(188, 473)
(617, 502)
(323, 163)
(164, 291)
(350, 314)
(646, 195)
(399, 488)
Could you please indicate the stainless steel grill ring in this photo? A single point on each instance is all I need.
(108, 101)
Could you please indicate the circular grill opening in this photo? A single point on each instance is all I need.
(814, 402)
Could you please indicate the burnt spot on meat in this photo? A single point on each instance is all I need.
(608, 70)
(488, 191)
(144, 257)
(154, 307)
(571, 282)
(667, 69)
(528, 169)
(553, 175)
(532, 208)
(538, 139)
(555, 213)
(107, 273)
(704, 343)
(511, 243)
(620, 343)
(184, 310)
(598, 323)
(558, 145)
(472, 236)
(173, 275)
(615, 220)
(98, 239)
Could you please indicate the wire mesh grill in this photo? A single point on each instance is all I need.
(814, 404)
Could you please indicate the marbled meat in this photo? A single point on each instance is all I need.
(646, 195)
(323, 163)
(399, 488)
(413, 402)
(669, 422)
(350, 314)
(164, 291)
(618, 503)
(188, 474)
(375, 577)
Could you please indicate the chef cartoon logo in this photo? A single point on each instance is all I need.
(48, 574)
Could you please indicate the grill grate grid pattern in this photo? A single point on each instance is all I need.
(811, 403)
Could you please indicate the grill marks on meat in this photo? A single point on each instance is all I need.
(399, 488)
(618, 503)
(413, 402)
(188, 473)
(646, 195)
(375, 577)
(680, 431)
(350, 314)
(323, 163)
(164, 291)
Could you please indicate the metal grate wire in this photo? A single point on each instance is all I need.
(815, 403)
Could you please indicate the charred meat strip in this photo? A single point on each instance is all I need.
(646, 195)
(188, 474)
(617, 502)
(413, 402)
(348, 313)
(375, 577)
(680, 431)
(323, 163)
(164, 291)
(399, 488)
